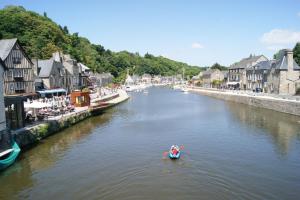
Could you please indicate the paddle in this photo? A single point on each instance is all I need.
(165, 154)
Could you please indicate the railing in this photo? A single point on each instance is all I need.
(250, 93)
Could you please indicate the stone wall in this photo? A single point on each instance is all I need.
(27, 137)
(280, 105)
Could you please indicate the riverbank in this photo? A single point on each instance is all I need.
(32, 134)
(285, 105)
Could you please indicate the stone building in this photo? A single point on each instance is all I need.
(283, 76)
(146, 78)
(237, 71)
(84, 74)
(72, 71)
(101, 80)
(210, 76)
(50, 73)
(257, 76)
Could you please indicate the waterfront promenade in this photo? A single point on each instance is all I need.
(281, 103)
(33, 133)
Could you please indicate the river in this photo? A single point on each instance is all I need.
(231, 151)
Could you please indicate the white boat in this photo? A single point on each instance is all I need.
(177, 87)
(184, 90)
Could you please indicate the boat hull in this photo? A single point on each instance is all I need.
(171, 156)
(10, 159)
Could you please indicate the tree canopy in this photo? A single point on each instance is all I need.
(296, 52)
(219, 67)
(40, 37)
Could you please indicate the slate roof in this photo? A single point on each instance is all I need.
(2, 63)
(245, 62)
(83, 67)
(207, 73)
(225, 73)
(46, 67)
(281, 63)
(263, 65)
(6, 46)
(68, 67)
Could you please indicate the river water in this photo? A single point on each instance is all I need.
(231, 151)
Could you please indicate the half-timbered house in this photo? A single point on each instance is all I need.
(18, 81)
(19, 78)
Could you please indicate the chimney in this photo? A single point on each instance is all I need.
(35, 66)
(57, 57)
(290, 60)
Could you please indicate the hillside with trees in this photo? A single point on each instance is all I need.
(219, 67)
(40, 37)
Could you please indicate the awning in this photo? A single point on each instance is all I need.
(36, 104)
(53, 91)
(232, 83)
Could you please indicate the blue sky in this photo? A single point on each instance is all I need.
(196, 32)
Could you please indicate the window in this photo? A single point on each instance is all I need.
(17, 60)
(18, 73)
(11, 87)
(79, 99)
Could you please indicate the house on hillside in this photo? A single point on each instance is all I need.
(136, 78)
(156, 79)
(146, 78)
(18, 81)
(237, 71)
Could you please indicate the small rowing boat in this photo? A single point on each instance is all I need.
(9, 156)
(174, 152)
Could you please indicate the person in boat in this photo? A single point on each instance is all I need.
(174, 151)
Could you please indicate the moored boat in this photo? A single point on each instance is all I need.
(100, 104)
(9, 156)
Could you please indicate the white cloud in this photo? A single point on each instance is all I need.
(197, 45)
(275, 47)
(280, 37)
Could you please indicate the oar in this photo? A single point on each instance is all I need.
(165, 153)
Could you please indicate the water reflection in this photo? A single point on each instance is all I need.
(46, 155)
(283, 128)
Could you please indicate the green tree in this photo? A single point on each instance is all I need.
(40, 37)
(296, 52)
(219, 67)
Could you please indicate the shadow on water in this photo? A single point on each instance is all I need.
(282, 128)
(20, 176)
